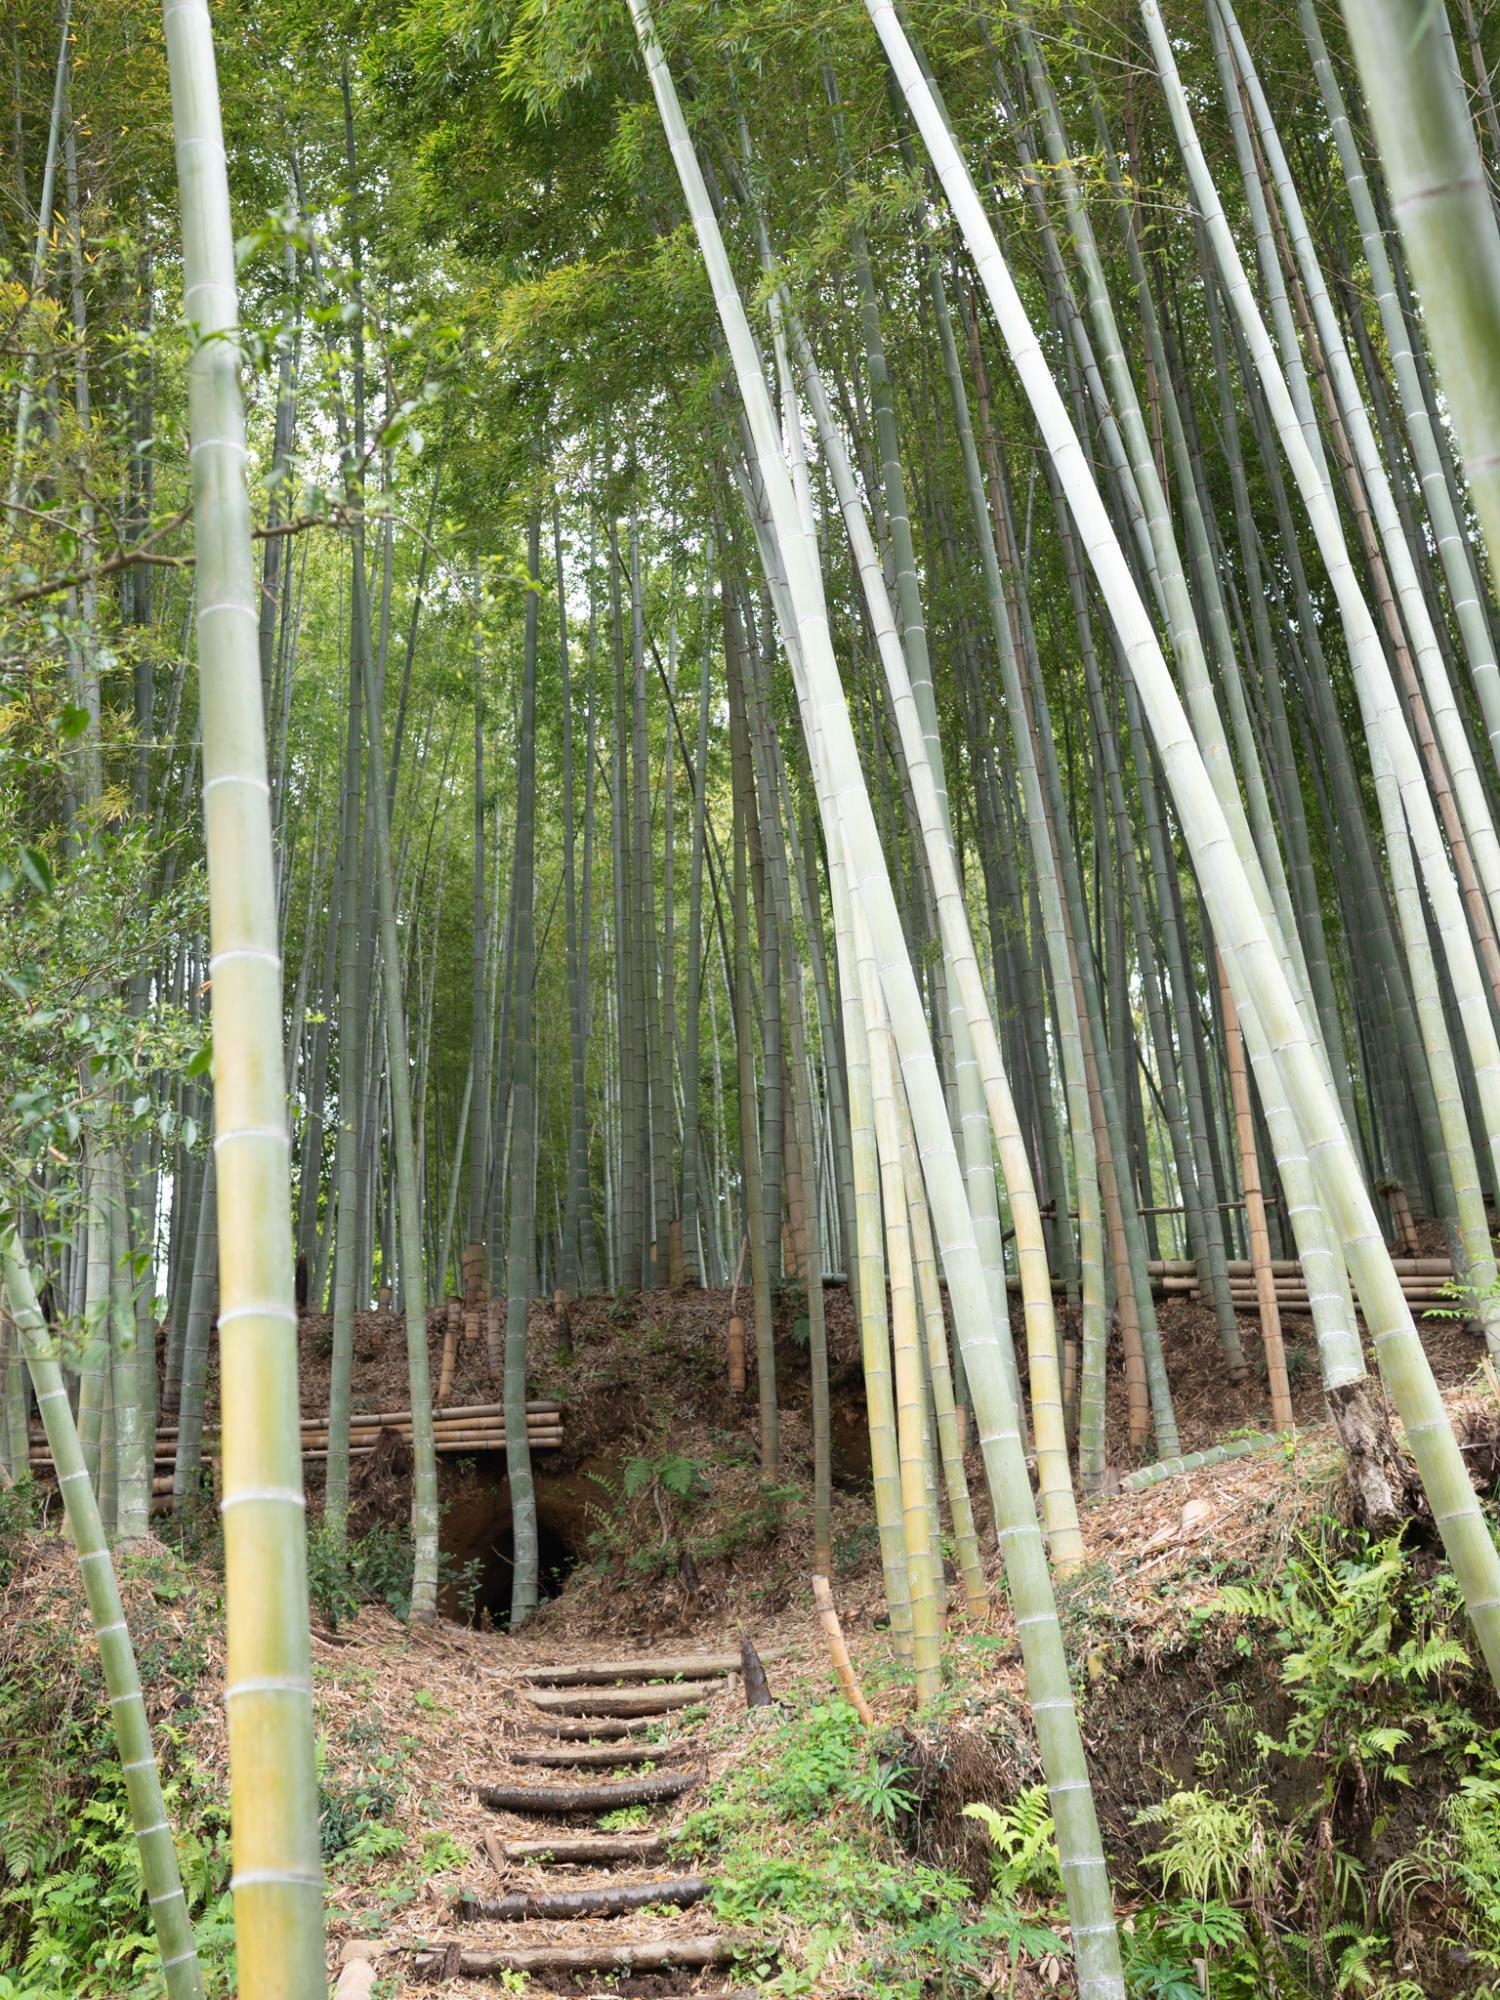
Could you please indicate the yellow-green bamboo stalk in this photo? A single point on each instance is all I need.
(874, 1332)
(1441, 201)
(849, 822)
(1059, 1506)
(906, 1343)
(127, 1708)
(278, 1880)
(940, 1373)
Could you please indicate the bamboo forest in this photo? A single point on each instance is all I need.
(750, 999)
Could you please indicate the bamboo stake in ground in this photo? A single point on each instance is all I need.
(1255, 1210)
(838, 1652)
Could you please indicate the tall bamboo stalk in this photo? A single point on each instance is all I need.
(277, 1880)
(1440, 198)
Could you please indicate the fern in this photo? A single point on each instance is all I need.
(29, 1832)
(1023, 1844)
(1213, 1845)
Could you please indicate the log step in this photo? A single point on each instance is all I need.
(642, 1955)
(611, 1900)
(601, 1728)
(624, 1701)
(600, 1797)
(599, 1756)
(578, 1849)
(668, 1667)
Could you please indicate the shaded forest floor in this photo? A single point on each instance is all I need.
(848, 1859)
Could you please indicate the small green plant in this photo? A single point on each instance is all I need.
(355, 1818)
(625, 1819)
(682, 1478)
(877, 1789)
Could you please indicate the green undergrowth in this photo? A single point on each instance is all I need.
(800, 1835)
(1297, 1771)
(73, 1915)
(1309, 1806)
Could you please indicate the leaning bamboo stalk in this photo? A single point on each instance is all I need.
(1233, 908)
(127, 1708)
(908, 1383)
(1402, 786)
(1058, 1504)
(1440, 199)
(278, 1878)
(850, 821)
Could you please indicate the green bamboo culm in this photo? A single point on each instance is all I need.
(1250, 957)
(1440, 198)
(850, 822)
(278, 1880)
(127, 1708)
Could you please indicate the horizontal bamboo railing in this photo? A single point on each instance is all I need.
(1424, 1282)
(468, 1428)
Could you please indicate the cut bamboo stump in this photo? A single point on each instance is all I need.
(614, 1900)
(599, 1756)
(643, 1955)
(624, 1701)
(667, 1667)
(600, 1797)
(582, 1848)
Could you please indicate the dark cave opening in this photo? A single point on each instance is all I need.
(479, 1551)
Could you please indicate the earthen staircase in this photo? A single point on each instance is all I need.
(591, 1748)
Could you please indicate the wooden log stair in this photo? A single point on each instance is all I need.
(564, 1872)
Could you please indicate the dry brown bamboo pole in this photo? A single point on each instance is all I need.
(602, 1796)
(654, 1956)
(583, 1847)
(624, 1701)
(838, 1652)
(736, 1337)
(603, 1756)
(450, 1349)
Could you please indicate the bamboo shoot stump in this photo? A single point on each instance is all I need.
(600, 1797)
(757, 1687)
(614, 1900)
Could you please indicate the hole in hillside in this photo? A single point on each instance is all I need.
(479, 1557)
